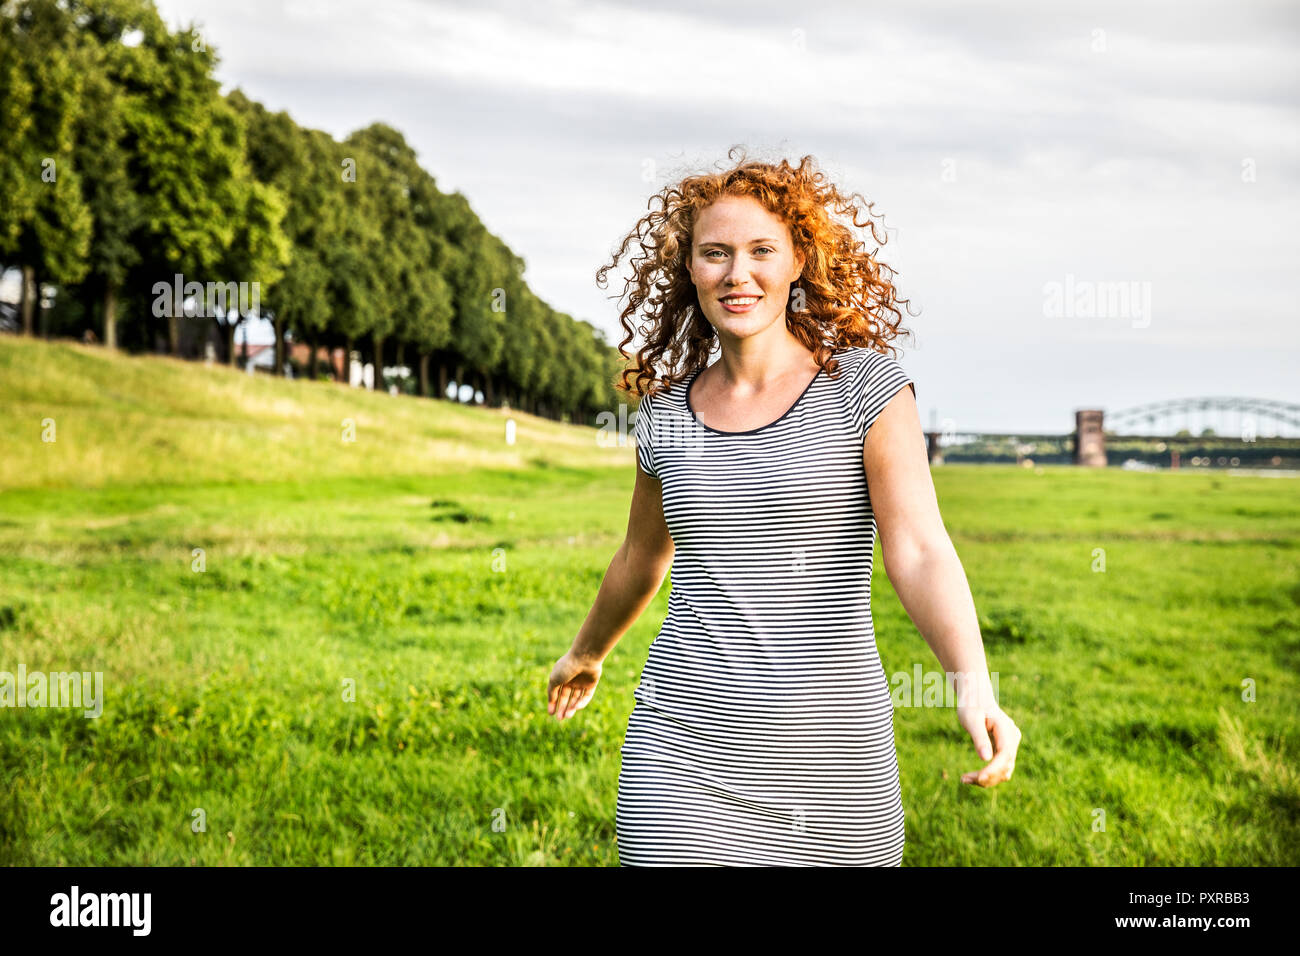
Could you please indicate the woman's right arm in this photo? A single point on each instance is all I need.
(631, 581)
(633, 577)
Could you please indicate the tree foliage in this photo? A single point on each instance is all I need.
(123, 165)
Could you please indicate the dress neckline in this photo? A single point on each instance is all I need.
(751, 431)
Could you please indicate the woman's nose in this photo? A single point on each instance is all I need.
(738, 274)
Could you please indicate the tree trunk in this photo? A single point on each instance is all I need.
(110, 314)
(279, 344)
(400, 359)
(378, 382)
(489, 393)
(424, 374)
(174, 324)
(442, 380)
(347, 361)
(29, 298)
(89, 299)
(229, 330)
(42, 326)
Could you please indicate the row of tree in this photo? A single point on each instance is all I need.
(122, 165)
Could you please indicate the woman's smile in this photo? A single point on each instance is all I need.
(740, 303)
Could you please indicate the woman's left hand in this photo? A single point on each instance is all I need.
(980, 722)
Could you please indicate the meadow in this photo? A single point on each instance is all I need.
(237, 569)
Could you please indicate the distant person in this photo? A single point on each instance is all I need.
(762, 732)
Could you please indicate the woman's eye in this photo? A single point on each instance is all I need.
(721, 253)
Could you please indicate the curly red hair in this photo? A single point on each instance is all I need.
(847, 291)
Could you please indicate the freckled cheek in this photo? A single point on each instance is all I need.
(774, 286)
(711, 278)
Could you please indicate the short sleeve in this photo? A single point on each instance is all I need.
(641, 432)
(880, 380)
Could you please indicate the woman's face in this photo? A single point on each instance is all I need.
(742, 262)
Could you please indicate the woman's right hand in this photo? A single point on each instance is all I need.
(572, 685)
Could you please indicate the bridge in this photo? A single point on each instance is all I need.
(1251, 419)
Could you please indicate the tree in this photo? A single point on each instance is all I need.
(415, 253)
(256, 256)
(396, 245)
(103, 147)
(187, 164)
(295, 163)
(45, 223)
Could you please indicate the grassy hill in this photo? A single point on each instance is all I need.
(207, 542)
(153, 419)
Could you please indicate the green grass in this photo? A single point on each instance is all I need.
(443, 572)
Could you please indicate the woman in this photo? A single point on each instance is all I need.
(762, 732)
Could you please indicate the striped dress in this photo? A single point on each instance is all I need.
(762, 733)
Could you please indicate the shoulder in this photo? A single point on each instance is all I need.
(858, 362)
(667, 396)
(662, 401)
(644, 408)
(868, 381)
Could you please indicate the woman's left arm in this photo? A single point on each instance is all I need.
(928, 577)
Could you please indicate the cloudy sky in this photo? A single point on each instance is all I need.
(1024, 153)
